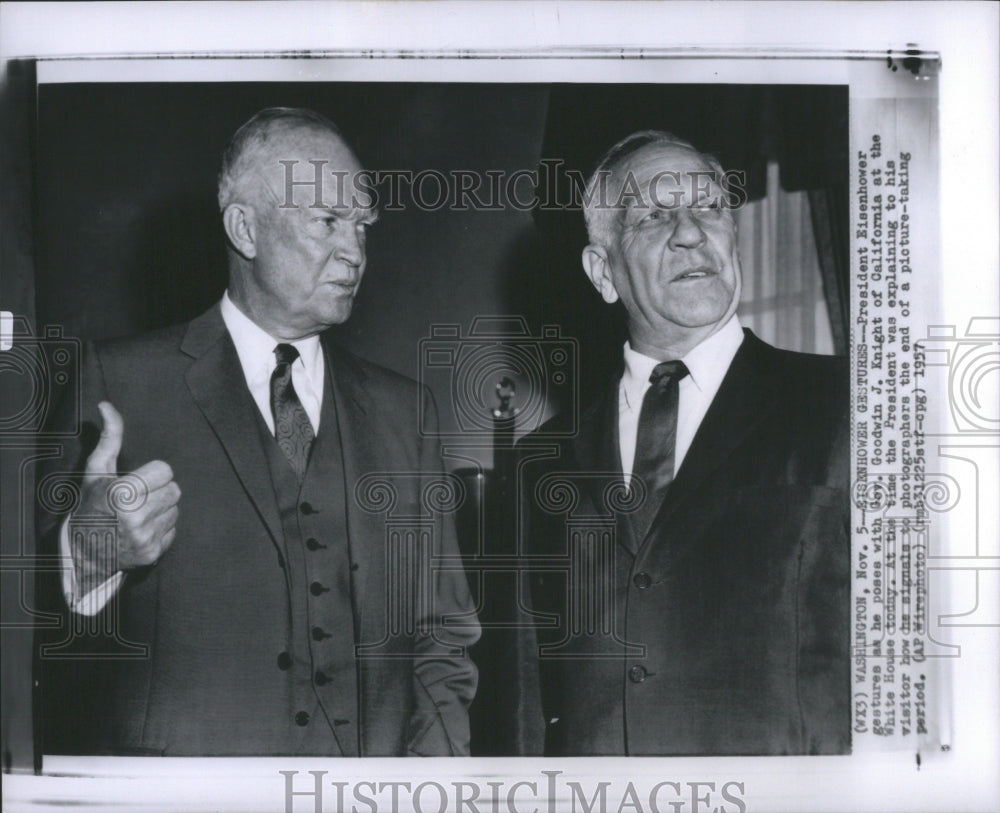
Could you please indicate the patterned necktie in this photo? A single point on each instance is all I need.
(656, 439)
(292, 428)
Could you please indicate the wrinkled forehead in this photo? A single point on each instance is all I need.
(667, 174)
(312, 168)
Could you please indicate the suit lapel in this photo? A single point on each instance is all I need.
(218, 386)
(593, 445)
(355, 415)
(596, 449)
(747, 395)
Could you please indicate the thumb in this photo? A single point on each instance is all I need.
(104, 458)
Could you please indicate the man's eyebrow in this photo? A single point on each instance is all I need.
(643, 199)
(642, 204)
(712, 195)
(367, 216)
(352, 212)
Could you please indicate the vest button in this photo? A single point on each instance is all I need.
(318, 634)
(642, 581)
(321, 678)
(306, 508)
(284, 661)
(302, 718)
(318, 589)
(313, 544)
(637, 674)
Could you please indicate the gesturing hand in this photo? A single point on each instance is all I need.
(145, 531)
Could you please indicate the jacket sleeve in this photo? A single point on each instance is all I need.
(529, 722)
(75, 426)
(444, 676)
(824, 636)
(76, 688)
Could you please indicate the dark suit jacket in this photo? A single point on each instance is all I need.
(725, 629)
(213, 618)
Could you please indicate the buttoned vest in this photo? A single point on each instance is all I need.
(319, 656)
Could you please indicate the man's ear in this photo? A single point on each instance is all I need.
(241, 229)
(598, 270)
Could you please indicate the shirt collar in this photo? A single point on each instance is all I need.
(255, 346)
(707, 362)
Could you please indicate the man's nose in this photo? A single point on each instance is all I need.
(350, 246)
(687, 231)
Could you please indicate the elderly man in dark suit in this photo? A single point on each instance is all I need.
(688, 540)
(281, 613)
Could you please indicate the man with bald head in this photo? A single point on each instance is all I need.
(704, 606)
(278, 614)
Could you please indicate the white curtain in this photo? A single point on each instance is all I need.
(782, 300)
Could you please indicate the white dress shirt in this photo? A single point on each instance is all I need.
(707, 365)
(255, 348)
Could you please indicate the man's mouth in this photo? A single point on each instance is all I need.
(700, 272)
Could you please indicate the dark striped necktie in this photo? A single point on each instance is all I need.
(656, 438)
(292, 428)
